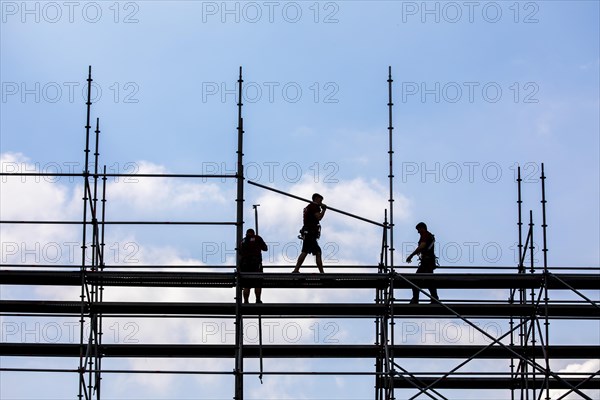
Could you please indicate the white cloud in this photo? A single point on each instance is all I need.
(153, 195)
(586, 368)
(352, 241)
(60, 199)
(33, 198)
(37, 199)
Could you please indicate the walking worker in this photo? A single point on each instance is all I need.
(311, 231)
(426, 253)
(251, 259)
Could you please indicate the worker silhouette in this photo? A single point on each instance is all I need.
(311, 231)
(251, 259)
(425, 251)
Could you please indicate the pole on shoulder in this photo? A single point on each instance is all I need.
(310, 201)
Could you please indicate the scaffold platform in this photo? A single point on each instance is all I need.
(299, 310)
(295, 351)
(303, 280)
(524, 351)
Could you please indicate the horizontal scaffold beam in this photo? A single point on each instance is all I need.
(331, 310)
(288, 280)
(491, 383)
(295, 351)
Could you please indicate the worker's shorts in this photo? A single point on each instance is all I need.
(310, 245)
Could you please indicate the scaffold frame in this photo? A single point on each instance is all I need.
(529, 309)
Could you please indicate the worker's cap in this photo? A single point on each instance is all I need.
(316, 195)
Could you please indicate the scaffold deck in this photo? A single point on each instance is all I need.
(331, 310)
(288, 280)
(295, 351)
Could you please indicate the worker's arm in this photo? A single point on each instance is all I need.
(263, 245)
(418, 250)
(320, 214)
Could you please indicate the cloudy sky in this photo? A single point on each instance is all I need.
(480, 88)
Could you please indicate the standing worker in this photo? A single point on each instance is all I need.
(251, 259)
(427, 264)
(311, 231)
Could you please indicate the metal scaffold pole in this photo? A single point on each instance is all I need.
(391, 223)
(101, 264)
(531, 327)
(97, 260)
(380, 324)
(239, 321)
(546, 295)
(391, 173)
(511, 298)
(86, 172)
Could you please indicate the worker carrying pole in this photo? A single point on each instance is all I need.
(311, 201)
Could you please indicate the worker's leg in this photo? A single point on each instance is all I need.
(415, 291)
(319, 262)
(415, 296)
(301, 258)
(257, 293)
(428, 267)
(434, 294)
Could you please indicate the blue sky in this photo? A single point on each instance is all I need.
(479, 88)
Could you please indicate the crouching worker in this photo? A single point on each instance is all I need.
(251, 259)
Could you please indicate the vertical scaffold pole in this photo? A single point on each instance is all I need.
(522, 294)
(101, 287)
(391, 201)
(544, 225)
(94, 207)
(512, 294)
(239, 334)
(381, 298)
(93, 340)
(391, 174)
(520, 223)
(546, 298)
(532, 293)
(86, 173)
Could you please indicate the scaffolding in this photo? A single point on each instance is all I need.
(528, 310)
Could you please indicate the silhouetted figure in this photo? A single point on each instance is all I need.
(427, 257)
(251, 259)
(311, 231)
